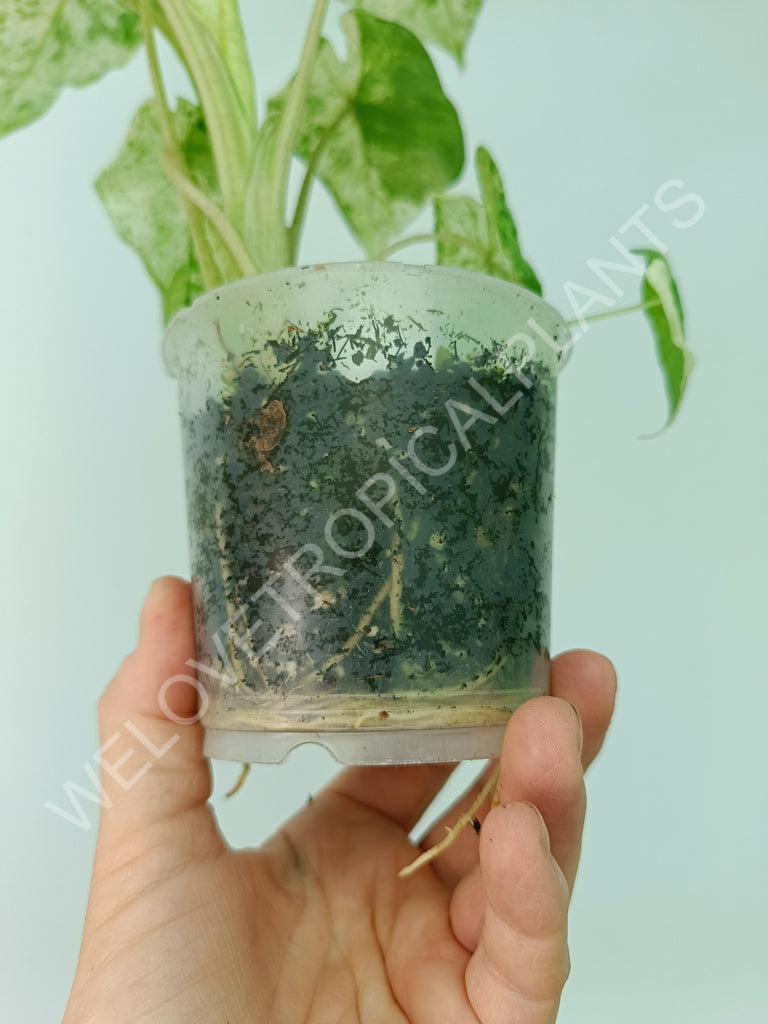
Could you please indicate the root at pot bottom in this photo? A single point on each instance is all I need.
(453, 834)
(241, 779)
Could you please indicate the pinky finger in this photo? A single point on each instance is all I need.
(520, 965)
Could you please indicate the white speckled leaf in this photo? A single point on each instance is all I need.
(46, 45)
(463, 217)
(390, 138)
(445, 22)
(145, 208)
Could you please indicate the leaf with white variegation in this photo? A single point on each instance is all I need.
(462, 232)
(482, 236)
(146, 210)
(46, 45)
(664, 312)
(502, 232)
(378, 128)
(445, 22)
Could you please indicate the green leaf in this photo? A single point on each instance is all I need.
(490, 243)
(665, 315)
(145, 208)
(445, 22)
(502, 232)
(46, 45)
(378, 129)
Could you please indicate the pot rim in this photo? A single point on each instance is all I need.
(375, 271)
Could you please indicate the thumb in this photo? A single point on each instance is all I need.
(152, 764)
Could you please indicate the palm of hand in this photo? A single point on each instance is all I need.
(316, 926)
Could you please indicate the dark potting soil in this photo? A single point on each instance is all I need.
(452, 597)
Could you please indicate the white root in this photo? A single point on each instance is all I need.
(365, 621)
(241, 779)
(453, 834)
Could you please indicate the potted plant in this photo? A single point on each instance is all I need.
(368, 446)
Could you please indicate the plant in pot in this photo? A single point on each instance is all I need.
(368, 446)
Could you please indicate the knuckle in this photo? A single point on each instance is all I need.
(107, 700)
(565, 967)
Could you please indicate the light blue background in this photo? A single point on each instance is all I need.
(660, 545)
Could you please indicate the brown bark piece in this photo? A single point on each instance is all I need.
(269, 428)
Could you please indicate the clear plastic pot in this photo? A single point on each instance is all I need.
(369, 454)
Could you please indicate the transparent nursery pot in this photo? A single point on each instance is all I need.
(368, 453)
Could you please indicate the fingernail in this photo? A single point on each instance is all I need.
(542, 826)
(579, 726)
(153, 595)
(160, 588)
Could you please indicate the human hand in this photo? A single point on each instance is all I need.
(316, 926)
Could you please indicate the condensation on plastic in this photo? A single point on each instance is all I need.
(223, 329)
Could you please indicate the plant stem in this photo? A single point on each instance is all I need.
(464, 820)
(269, 178)
(218, 219)
(162, 24)
(299, 213)
(161, 104)
(614, 312)
(294, 108)
(173, 156)
(230, 134)
(444, 238)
